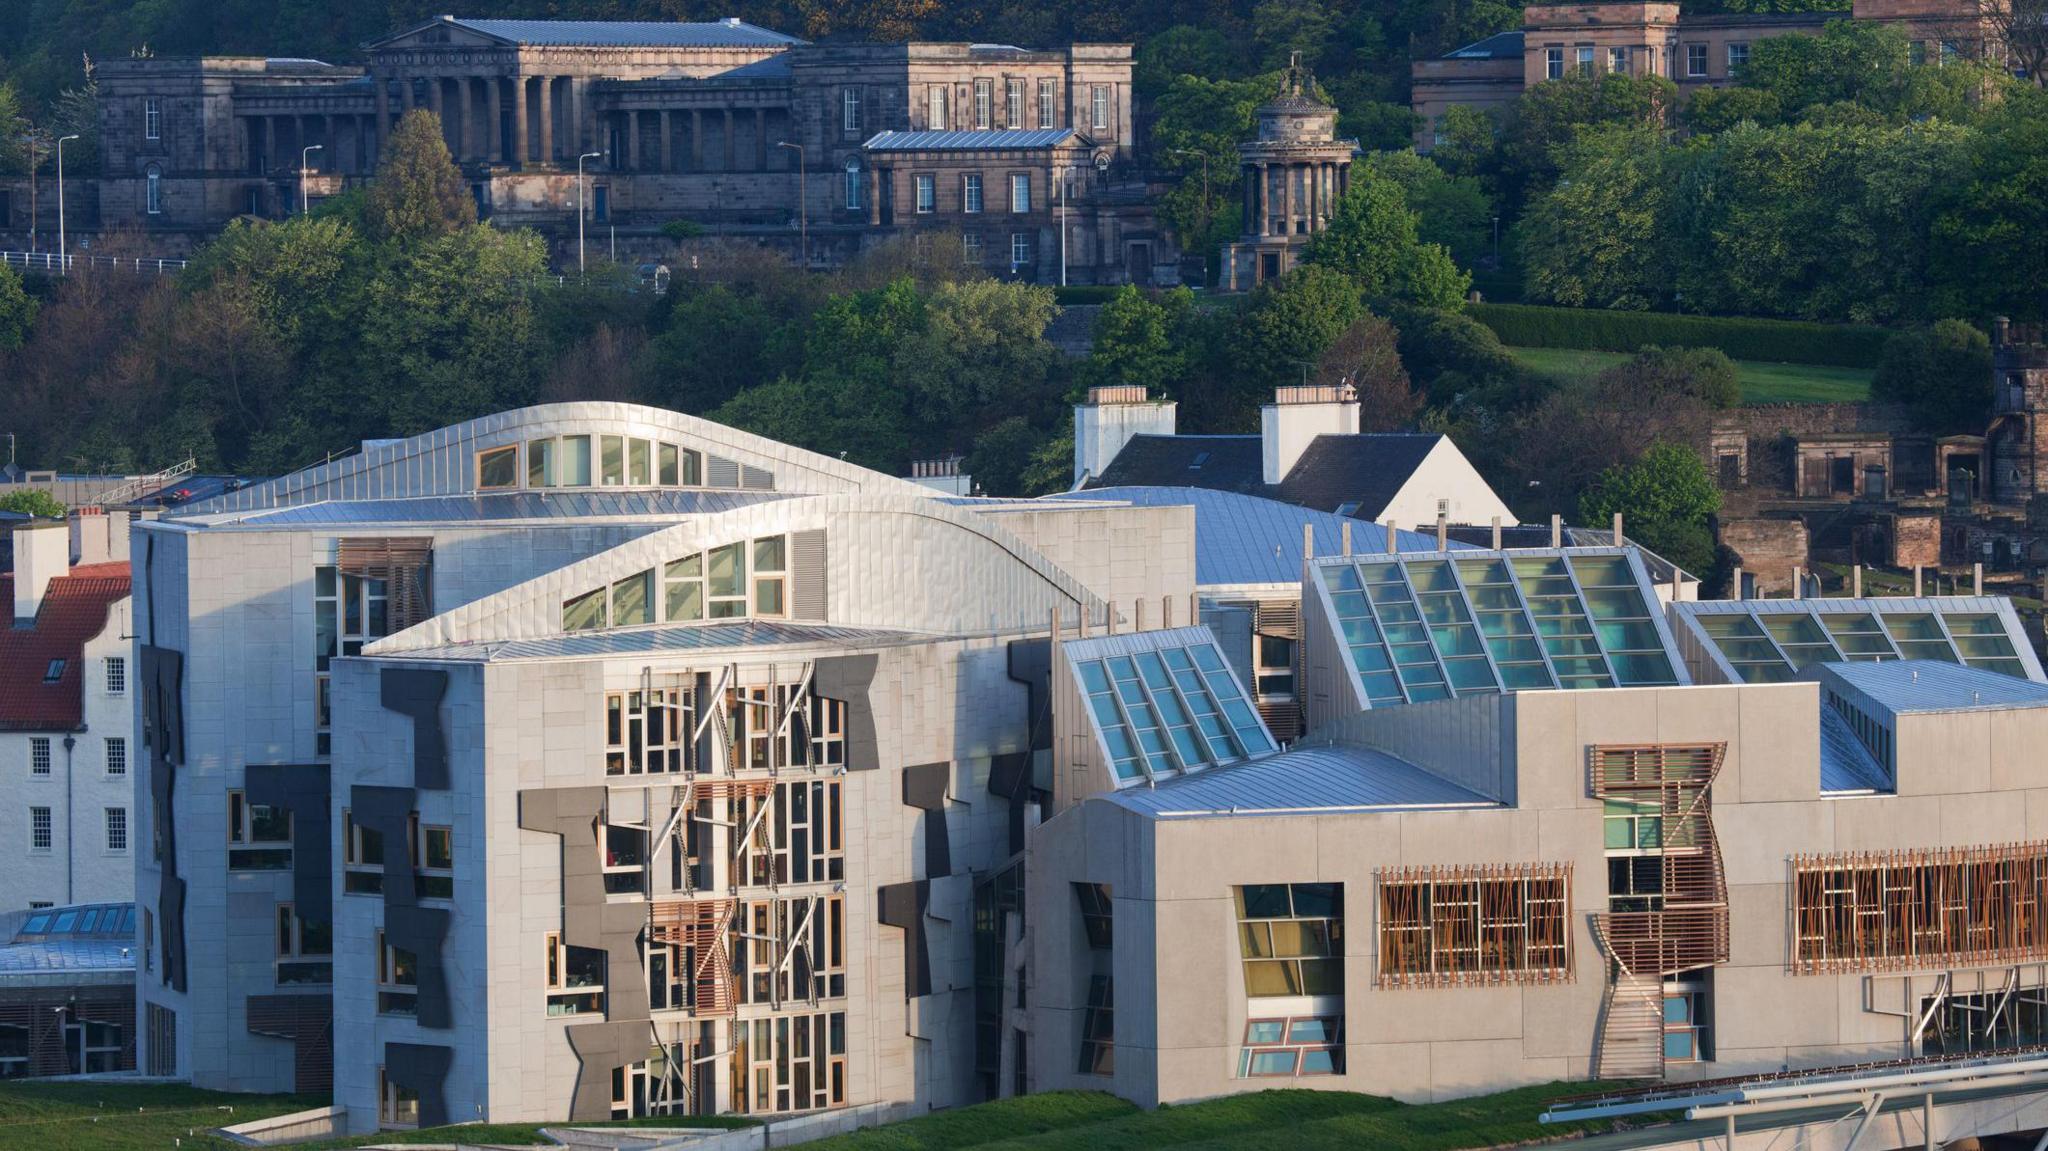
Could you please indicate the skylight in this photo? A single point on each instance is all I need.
(1430, 626)
(1164, 703)
(1770, 641)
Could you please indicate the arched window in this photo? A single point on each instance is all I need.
(153, 190)
(853, 185)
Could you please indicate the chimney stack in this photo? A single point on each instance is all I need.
(1110, 418)
(42, 552)
(1299, 414)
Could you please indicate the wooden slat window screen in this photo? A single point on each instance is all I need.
(401, 562)
(699, 930)
(1690, 931)
(1920, 907)
(1463, 926)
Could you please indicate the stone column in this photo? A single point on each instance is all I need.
(632, 141)
(696, 139)
(666, 140)
(494, 134)
(269, 142)
(330, 144)
(383, 86)
(875, 185)
(434, 103)
(731, 152)
(547, 120)
(522, 146)
(572, 118)
(1264, 199)
(465, 147)
(761, 139)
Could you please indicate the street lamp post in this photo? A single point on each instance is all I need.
(63, 260)
(581, 211)
(306, 174)
(803, 203)
(1060, 174)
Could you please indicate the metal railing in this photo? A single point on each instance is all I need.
(74, 262)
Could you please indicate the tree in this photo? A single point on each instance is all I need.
(1453, 357)
(1369, 236)
(1001, 461)
(418, 193)
(1365, 356)
(1713, 110)
(981, 346)
(1942, 372)
(1554, 113)
(1703, 374)
(17, 310)
(1596, 239)
(837, 414)
(1287, 29)
(1989, 242)
(1284, 328)
(1453, 211)
(1134, 342)
(1664, 499)
(2019, 26)
(1182, 50)
(13, 133)
(31, 502)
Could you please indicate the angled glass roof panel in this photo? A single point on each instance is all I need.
(1433, 625)
(1979, 631)
(1163, 703)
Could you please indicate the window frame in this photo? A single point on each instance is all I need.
(39, 756)
(116, 670)
(1697, 61)
(1553, 62)
(243, 843)
(292, 952)
(396, 995)
(392, 1105)
(936, 113)
(572, 998)
(970, 193)
(486, 458)
(1021, 254)
(152, 118)
(1330, 1043)
(116, 822)
(1020, 204)
(849, 112)
(42, 830)
(1098, 107)
(984, 104)
(361, 874)
(853, 173)
(153, 190)
(924, 193)
(1048, 102)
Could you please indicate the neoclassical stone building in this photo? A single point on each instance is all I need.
(743, 131)
(1295, 171)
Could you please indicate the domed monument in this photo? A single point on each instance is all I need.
(1295, 171)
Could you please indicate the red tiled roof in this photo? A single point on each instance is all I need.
(74, 610)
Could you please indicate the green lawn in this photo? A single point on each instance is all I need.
(1266, 1121)
(92, 1117)
(514, 1134)
(1761, 383)
(117, 1117)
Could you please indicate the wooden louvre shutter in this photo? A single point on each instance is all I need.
(401, 562)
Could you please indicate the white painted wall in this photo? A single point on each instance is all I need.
(1444, 480)
(1102, 430)
(1286, 431)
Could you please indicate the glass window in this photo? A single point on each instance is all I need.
(1695, 60)
(612, 460)
(683, 581)
(633, 599)
(1617, 60)
(726, 581)
(576, 461)
(153, 190)
(984, 101)
(769, 562)
(1553, 63)
(669, 472)
(1013, 103)
(639, 463)
(1020, 250)
(1738, 59)
(849, 113)
(970, 192)
(540, 464)
(498, 467)
(1048, 103)
(853, 185)
(584, 612)
(1290, 937)
(152, 119)
(926, 195)
(1020, 192)
(1099, 105)
(117, 675)
(1582, 56)
(935, 108)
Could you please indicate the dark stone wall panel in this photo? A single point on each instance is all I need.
(601, 1048)
(162, 677)
(588, 918)
(420, 930)
(903, 905)
(302, 789)
(924, 788)
(423, 1068)
(308, 1021)
(418, 692)
(848, 677)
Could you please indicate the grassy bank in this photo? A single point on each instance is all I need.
(1762, 383)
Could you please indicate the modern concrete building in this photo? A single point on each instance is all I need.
(591, 760)
(67, 990)
(747, 133)
(66, 716)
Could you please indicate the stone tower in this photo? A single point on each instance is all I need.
(1294, 173)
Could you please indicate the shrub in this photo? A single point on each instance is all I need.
(1739, 337)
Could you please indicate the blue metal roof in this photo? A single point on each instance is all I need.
(1906, 686)
(1010, 138)
(1307, 781)
(1241, 539)
(82, 954)
(646, 503)
(660, 639)
(92, 937)
(1846, 766)
(632, 33)
(1499, 46)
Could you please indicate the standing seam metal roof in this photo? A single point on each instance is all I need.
(657, 639)
(530, 504)
(1906, 686)
(1245, 539)
(1301, 782)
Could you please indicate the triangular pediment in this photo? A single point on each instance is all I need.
(438, 34)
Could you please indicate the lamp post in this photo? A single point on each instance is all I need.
(581, 210)
(305, 174)
(1060, 174)
(63, 259)
(803, 203)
